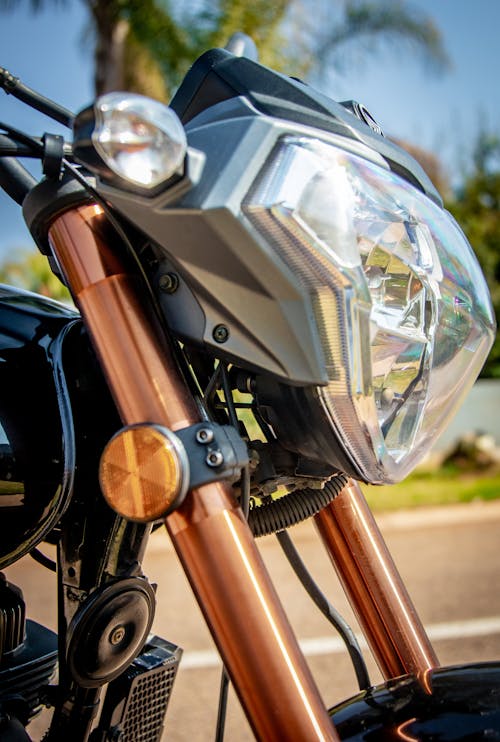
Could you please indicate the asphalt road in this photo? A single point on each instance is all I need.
(449, 559)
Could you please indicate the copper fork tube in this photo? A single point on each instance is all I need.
(209, 532)
(374, 587)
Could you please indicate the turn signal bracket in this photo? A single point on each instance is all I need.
(146, 469)
(215, 453)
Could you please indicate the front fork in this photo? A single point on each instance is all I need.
(208, 531)
(374, 587)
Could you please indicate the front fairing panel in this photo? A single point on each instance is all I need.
(463, 705)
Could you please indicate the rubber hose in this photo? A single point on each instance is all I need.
(293, 508)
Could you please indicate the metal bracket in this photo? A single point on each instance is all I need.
(215, 453)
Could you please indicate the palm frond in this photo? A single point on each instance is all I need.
(388, 23)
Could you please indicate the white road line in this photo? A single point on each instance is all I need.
(334, 645)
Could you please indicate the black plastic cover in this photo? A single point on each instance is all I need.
(36, 436)
(218, 76)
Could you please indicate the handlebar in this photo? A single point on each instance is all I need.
(10, 147)
(15, 180)
(13, 86)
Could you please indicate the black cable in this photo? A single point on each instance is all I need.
(228, 396)
(245, 491)
(210, 390)
(233, 418)
(212, 385)
(45, 561)
(222, 710)
(326, 608)
(266, 429)
(245, 506)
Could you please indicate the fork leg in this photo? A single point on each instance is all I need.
(374, 587)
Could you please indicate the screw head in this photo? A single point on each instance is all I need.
(214, 458)
(204, 435)
(169, 283)
(220, 333)
(117, 635)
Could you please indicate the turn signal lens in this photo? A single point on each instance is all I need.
(144, 472)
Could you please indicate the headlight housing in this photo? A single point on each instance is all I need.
(400, 303)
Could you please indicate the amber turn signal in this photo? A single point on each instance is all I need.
(144, 472)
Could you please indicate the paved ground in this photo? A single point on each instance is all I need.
(450, 561)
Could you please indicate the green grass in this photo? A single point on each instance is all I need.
(11, 488)
(440, 487)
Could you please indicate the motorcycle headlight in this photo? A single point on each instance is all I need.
(400, 303)
(136, 138)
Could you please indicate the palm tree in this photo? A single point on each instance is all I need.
(147, 45)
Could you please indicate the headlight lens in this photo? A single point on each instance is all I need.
(401, 306)
(139, 139)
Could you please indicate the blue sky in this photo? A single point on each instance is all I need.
(49, 52)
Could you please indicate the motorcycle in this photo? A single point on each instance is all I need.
(272, 305)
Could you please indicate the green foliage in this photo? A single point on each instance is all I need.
(175, 37)
(31, 271)
(174, 40)
(261, 20)
(477, 209)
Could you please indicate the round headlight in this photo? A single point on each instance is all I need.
(135, 138)
(401, 306)
(140, 139)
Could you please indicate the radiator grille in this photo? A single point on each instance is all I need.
(136, 702)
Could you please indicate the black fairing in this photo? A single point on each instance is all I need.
(463, 706)
(36, 434)
(218, 76)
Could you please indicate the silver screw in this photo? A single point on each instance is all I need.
(204, 435)
(214, 458)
